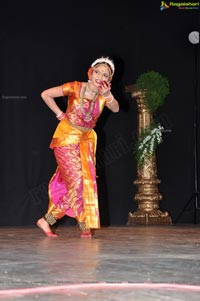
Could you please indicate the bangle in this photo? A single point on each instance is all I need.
(110, 100)
(107, 96)
(61, 116)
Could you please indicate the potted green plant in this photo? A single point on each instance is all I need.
(154, 88)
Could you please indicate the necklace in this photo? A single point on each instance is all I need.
(87, 114)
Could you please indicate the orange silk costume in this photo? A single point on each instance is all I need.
(73, 187)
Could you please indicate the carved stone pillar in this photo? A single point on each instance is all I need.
(148, 196)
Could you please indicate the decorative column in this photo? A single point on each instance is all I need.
(148, 196)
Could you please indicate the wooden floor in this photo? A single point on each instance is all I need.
(118, 263)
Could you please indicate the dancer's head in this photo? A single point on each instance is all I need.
(103, 61)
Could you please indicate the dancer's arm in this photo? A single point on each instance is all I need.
(112, 104)
(48, 97)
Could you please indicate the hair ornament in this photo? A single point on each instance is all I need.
(106, 60)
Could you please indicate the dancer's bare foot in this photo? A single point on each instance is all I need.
(43, 225)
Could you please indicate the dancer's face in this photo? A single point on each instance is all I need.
(100, 73)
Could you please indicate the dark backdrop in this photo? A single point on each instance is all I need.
(46, 46)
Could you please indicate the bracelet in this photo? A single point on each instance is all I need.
(61, 116)
(107, 96)
(110, 100)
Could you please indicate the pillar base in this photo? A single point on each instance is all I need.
(155, 217)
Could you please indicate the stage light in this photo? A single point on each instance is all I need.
(194, 37)
(195, 197)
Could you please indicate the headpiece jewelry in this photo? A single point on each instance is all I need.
(106, 60)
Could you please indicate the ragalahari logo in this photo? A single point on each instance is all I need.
(164, 5)
(180, 5)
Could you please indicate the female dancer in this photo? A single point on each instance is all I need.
(73, 187)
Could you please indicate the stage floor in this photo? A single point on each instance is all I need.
(118, 263)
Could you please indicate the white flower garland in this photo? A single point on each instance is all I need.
(148, 144)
